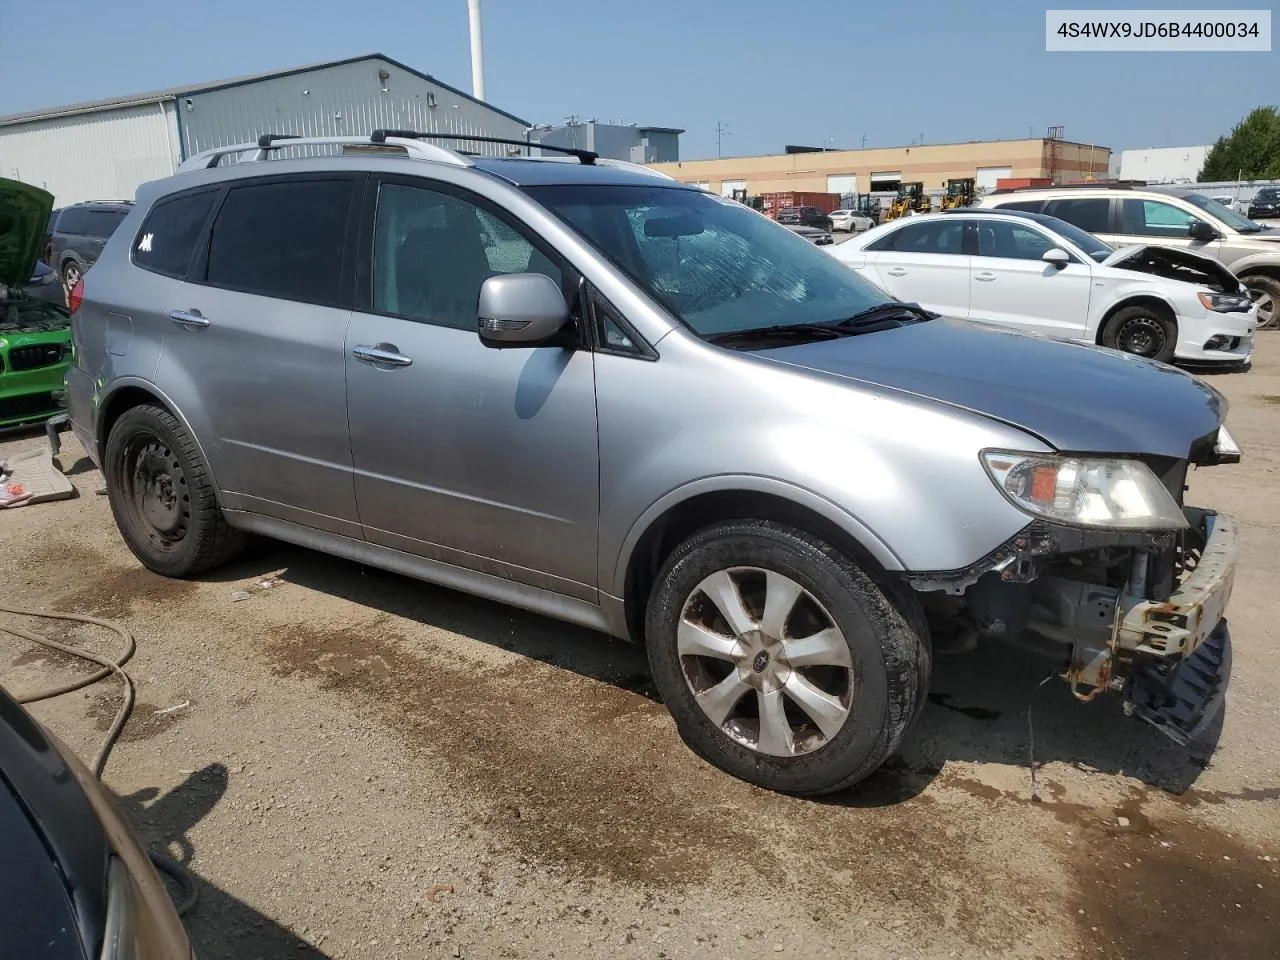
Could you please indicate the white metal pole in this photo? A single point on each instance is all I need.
(477, 51)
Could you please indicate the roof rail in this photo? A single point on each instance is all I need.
(1083, 185)
(584, 156)
(269, 142)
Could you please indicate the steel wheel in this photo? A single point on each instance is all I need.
(765, 661)
(155, 492)
(1142, 334)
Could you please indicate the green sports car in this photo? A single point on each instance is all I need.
(35, 334)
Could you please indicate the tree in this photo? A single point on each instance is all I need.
(1251, 152)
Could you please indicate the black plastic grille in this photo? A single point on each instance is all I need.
(34, 357)
(30, 405)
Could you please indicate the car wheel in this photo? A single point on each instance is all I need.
(162, 496)
(71, 274)
(1143, 331)
(1265, 292)
(781, 661)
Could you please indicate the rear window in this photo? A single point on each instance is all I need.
(283, 239)
(168, 238)
(932, 236)
(87, 222)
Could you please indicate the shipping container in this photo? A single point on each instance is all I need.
(771, 203)
(1021, 183)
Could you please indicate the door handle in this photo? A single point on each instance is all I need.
(188, 318)
(896, 272)
(984, 276)
(381, 355)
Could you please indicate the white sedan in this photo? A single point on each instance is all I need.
(1042, 275)
(850, 220)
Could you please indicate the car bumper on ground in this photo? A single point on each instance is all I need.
(1217, 337)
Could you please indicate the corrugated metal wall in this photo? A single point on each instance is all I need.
(92, 156)
(347, 99)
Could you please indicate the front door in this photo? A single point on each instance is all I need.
(1012, 286)
(479, 457)
(1158, 222)
(254, 347)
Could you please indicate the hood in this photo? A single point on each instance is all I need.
(24, 217)
(1174, 263)
(1076, 398)
(1268, 232)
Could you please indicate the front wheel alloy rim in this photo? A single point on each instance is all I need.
(1266, 308)
(765, 661)
(1143, 335)
(73, 275)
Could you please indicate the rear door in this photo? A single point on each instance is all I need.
(1012, 286)
(476, 457)
(254, 344)
(99, 225)
(924, 261)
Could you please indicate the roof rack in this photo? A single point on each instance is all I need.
(587, 157)
(1086, 185)
(269, 142)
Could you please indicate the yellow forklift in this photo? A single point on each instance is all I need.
(911, 198)
(959, 193)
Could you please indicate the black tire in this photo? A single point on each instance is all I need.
(191, 534)
(1266, 289)
(884, 628)
(1144, 331)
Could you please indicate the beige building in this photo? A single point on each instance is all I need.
(882, 169)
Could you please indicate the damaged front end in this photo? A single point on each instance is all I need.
(1138, 612)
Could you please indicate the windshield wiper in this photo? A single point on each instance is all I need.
(885, 311)
(789, 331)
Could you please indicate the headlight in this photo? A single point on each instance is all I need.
(1109, 493)
(1225, 302)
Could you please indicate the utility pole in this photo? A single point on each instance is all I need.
(722, 130)
(864, 141)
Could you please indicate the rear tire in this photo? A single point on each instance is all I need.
(162, 495)
(1142, 331)
(1266, 291)
(812, 679)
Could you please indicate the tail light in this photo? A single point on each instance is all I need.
(76, 296)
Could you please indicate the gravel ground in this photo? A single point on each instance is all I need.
(359, 765)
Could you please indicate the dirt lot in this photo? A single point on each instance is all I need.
(348, 741)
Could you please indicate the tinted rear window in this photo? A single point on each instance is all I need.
(282, 239)
(168, 238)
(87, 222)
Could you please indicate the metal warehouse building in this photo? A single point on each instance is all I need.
(102, 150)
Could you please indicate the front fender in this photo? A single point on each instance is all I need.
(1268, 263)
(730, 482)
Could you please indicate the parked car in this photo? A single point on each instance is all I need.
(1122, 215)
(806, 217)
(1042, 275)
(1265, 204)
(850, 221)
(74, 880)
(647, 410)
(35, 327)
(78, 234)
(820, 237)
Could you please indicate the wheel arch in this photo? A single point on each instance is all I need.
(127, 394)
(702, 503)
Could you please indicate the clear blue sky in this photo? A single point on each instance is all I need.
(774, 72)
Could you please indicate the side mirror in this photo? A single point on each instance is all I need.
(520, 310)
(1056, 257)
(1199, 230)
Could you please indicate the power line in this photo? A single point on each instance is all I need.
(722, 130)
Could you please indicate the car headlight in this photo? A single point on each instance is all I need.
(1114, 494)
(1225, 302)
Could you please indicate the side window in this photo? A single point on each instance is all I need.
(1027, 206)
(71, 221)
(1154, 218)
(934, 236)
(283, 239)
(611, 333)
(432, 251)
(1091, 215)
(168, 237)
(102, 223)
(1011, 241)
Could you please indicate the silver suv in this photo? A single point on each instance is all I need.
(1122, 215)
(584, 389)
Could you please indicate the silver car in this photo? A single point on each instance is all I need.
(584, 389)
